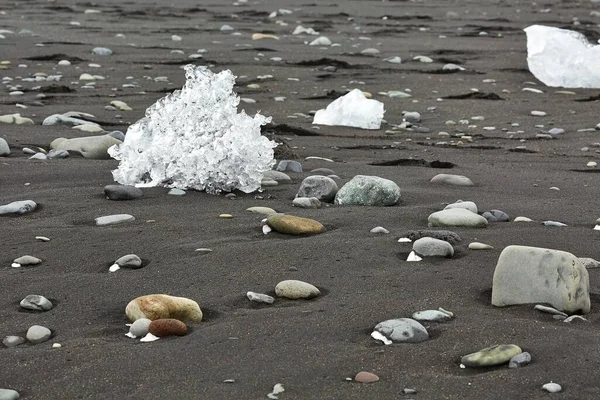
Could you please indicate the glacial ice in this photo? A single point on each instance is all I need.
(194, 138)
(352, 109)
(562, 58)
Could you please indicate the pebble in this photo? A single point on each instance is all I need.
(27, 260)
(448, 236)
(457, 217)
(167, 327)
(18, 207)
(38, 156)
(278, 177)
(368, 191)
(289, 165)
(553, 223)
(480, 246)
(90, 147)
(52, 154)
(139, 328)
(36, 302)
(4, 148)
(496, 216)
(294, 289)
(449, 179)
(16, 119)
(549, 310)
(538, 113)
(520, 360)
(433, 315)
(120, 105)
(129, 261)
(380, 230)
(522, 219)
(366, 377)
(490, 356)
(176, 192)
(306, 202)
(321, 187)
(403, 330)
(114, 219)
(431, 247)
(157, 306)
(468, 205)
(409, 391)
(370, 51)
(102, 51)
(260, 297)
(412, 117)
(292, 225)
(552, 387)
(262, 210)
(267, 182)
(38, 334)
(122, 192)
(321, 41)
(13, 341)
(203, 251)
(423, 59)
(226, 216)
(9, 394)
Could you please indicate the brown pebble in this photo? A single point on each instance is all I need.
(167, 327)
(366, 377)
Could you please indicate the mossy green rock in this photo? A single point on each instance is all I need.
(363, 190)
(490, 356)
(292, 225)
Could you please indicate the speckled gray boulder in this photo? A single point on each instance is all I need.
(363, 190)
(403, 330)
(321, 187)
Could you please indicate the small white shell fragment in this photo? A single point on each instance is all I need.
(15, 265)
(404, 240)
(114, 268)
(378, 336)
(149, 338)
(413, 257)
(266, 229)
(42, 238)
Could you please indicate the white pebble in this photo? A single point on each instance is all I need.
(552, 387)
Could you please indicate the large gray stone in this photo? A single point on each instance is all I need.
(293, 289)
(404, 330)
(321, 187)
(4, 149)
(431, 247)
(93, 147)
(527, 275)
(457, 217)
(366, 190)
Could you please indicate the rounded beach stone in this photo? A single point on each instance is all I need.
(91, 147)
(139, 328)
(432, 315)
(431, 247)
(157, 306)
(403, 330)
(9, 394)
(122, 192)
(113, 219)
(27, 260)
(522, 219)
(289, 165)
(293, 289)
(457, 217)
(525, 275)
(321, 187)
(36, 302)
(278, 177)
(292, 225)
(468, 205)
(412, 116)
(490, 356)
(322, 171)
(129, 261)
(479, 246)
(366, 190)
(552, 387)
(4, 149)
(38, 334)
(262, 210)
(306, 202)
(496, 216)
(448, 179)
(366, 377)
(176, 192)
(13, 341)
(18, 207)
(445, 235)
(519, 360)
(167, 327)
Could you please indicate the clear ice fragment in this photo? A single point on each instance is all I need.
(562, 58)
(194, 138)
(352, 109)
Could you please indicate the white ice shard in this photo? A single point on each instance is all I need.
(194, 138)
(352, 109)
(562, 58)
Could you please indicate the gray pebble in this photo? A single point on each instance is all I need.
(177, 192)
(102, 51)
(278, 177)
(36, 302)
(4, 149)
(412, 116)
(318, 186)
(12, 341)
(38, 334)
(122, 192)
(306, 202)
(129, 261)
(27, 260)
(556, 131)
(140, 327)
(409, 391)
(114, 219)
(445, 235)
(403, 330)
(432, 247)
(18, 207)
(117, 135)
(38, 156)
(553, 223)
(519, 360)
(380, 229)
(58, 154)
(496, 216)
(289, 165)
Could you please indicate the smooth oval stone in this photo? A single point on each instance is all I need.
(380, 230)
(38, 334)
(260, 297)
(157, 306)
(490, 356)
(552, 387)
(278, 177)
(18, 207)
(306, 202)
(321, 187)
(293, 289)
(431, 315)
(468, 205)
(520, 360)
(122, 192)
(496, 216)
(91, 147)
(102, 51)
(167, 327)
(322, 171)
(404, 330)
(553, 223)
(114, 219)
(431, 247)
(267, 182)
(139, 328)
(445, 235)
(262, 210)
(457, 217)
(366, 377)
(449, 179)
(38, 156)
(176, 192)
(129, 261)
(9, 394)
(366, 190)
(13, 341)
(480, 246)
(522, 219)
(27, 260)
(289, 165)
(4, 149)
(292, 225)
(412, 117)
(36, 302)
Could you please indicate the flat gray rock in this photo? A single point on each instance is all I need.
(122, 192)
(36, 302)
(468, 205)
(449, 179)
(38, 334)
(27, 260)
(520, 360)
(431, 247)
(457, 217)
(403, 330)
(114, 219)
(318, 186)
(363, 190)
(496, 216)
(13, 341)
(527, 275)
(18, 207)
(278, 177)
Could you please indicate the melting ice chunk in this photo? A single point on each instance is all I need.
(194, 138)
(564, 58)
(352, 109)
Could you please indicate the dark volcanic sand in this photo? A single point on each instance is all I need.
(310, 347)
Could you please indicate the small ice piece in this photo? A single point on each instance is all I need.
(352, 109)
(130, 335)
(413, 257)
(266, 229)
(15, 265)
(149, 338)
(194, 138)
(260, 298)
(378, 336)
(563, 58)
(277, 389)
(597, 228)
(404, 240)
(302, 30)
(114, 268)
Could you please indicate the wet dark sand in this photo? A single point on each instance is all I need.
(310, 347)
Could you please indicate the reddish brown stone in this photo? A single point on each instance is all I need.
(167, 327)
(366, 377)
